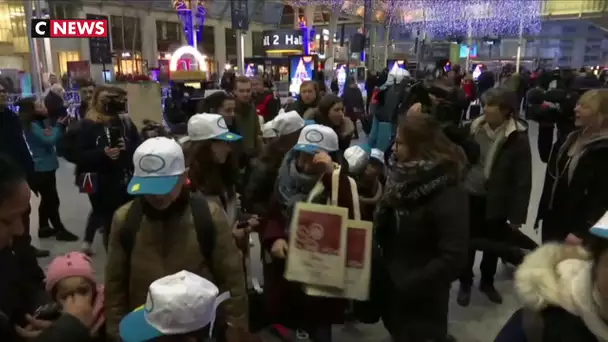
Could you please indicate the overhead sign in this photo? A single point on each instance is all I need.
(100, 47)
(282, 41)
(239, 13)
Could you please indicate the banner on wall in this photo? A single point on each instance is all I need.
(79, 69)
(239, 13)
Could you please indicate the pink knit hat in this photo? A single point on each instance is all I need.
(73, 264)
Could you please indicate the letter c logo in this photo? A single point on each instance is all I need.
(38, 26)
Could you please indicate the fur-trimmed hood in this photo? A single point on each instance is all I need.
(560, 275)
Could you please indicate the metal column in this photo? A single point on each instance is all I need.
(240, 51)
(469, 44)
(34, 57)
(520, 45)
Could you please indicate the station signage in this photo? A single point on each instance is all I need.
(282, 41)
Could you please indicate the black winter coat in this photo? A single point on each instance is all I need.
(21, 287)
(573, 201)
(66, 329)
(12, 141)
(554, 323)
(510, 183)
(423, 245)
(84, 143)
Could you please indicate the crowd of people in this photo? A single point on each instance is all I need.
(177, 209)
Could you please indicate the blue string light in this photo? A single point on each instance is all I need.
(450, 17)
(185, 15)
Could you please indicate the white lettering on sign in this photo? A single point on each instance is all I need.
(281, 40)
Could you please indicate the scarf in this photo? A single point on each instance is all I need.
(409, 184)
(292, 185)
(498, 138)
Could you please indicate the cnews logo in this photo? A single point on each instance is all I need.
(69, 28)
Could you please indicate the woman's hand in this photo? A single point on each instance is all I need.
(415, 109)
(279, 249)
(573, 240)
(324, 160)
(34, 328)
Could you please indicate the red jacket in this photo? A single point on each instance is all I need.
(262, 107)
(469, 89)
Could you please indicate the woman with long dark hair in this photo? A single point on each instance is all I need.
(42, 135)
(220, 102)
(421, 226)
(330, 113)
(208, 152)
(260, 184)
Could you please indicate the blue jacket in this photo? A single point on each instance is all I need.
(43, 146)
(12, 141)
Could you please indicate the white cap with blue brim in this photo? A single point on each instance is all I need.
(317, 138)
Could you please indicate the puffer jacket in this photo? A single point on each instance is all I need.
(165, 247)
(556, 287)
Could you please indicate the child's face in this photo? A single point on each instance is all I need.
(70, 286)
(371, 172)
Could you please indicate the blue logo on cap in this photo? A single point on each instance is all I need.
(151, 163)
(221, 123)
(313, 136)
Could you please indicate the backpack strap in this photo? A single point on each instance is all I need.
(204, 225)
(355, 193)
(203, 222)
(128, 231)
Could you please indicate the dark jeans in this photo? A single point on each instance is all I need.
(103, 207)
(48, 210)
(98, 220)
(495, 239)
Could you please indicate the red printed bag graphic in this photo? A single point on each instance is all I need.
(317, 245)
(319, 232)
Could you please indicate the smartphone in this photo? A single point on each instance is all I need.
(115, 136)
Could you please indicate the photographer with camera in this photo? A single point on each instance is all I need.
(102, 147)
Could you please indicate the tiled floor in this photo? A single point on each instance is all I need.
(477, 323)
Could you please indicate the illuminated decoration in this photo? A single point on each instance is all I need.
(455, 17)
(180, 70)
(192, 13)
(448, 17)
(305, 34)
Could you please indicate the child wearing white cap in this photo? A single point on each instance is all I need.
(366, 166)
(285, 127)
(309, 162)
(182, 305)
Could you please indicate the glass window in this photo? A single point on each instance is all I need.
(257, 48)
(62, 10)
(116, 32)
(132, 33)
(64, 57)
(231, 44)
(208, 40)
